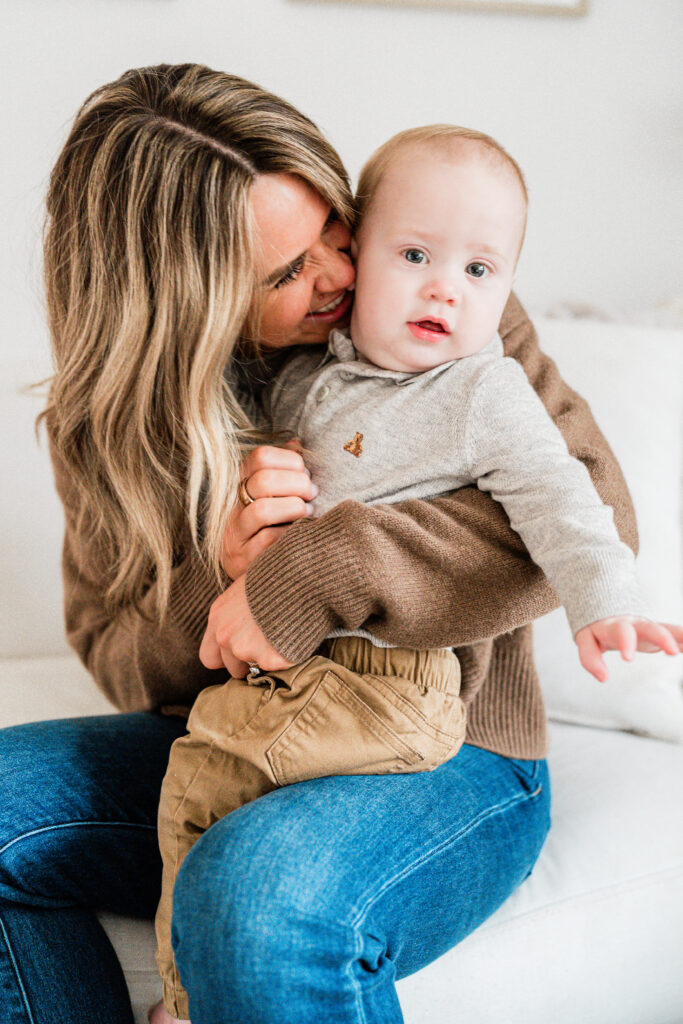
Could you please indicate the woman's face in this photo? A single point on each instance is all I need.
(303, 263)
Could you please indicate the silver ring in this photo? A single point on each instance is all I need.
(254, 669)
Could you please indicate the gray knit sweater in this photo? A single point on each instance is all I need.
(382, 436)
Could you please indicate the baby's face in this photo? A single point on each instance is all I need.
(436, 257)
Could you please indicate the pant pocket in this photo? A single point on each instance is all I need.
(338, 733)
(437, 714)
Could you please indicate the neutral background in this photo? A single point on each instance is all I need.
(590, 107)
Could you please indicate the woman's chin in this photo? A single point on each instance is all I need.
(316, 332)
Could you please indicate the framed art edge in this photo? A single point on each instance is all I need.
(573, 11)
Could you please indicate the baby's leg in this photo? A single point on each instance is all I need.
(203, 783)
(160, 1015)
(361, 711)
(364, 711)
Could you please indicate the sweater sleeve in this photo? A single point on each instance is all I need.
(138, 663)
(518, 455)
(440, 573)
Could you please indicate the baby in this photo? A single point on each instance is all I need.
(415, 401)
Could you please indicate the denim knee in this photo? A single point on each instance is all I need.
(247, 947)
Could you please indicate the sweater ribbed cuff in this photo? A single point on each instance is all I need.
(297, 598)
(510, 720)
(601, 586)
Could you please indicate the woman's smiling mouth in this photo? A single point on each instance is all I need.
(333, 310)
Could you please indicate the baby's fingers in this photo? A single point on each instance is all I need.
(624, 639)
(590, 654)
(653, 635)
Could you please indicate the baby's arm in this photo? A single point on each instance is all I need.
(518, 456)
(626, 634)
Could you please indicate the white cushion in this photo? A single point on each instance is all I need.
(57, 686)
(594, 935)
(632, 378)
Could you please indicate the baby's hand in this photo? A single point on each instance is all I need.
(627, 634)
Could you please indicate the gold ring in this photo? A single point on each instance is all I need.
(243, 494)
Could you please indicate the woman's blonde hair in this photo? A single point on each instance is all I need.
(447, 137)
(149, 276)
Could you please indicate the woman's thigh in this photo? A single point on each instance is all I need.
(309, 903)
(78, 801)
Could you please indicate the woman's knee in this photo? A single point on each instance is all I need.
(30, 782)
(253, 924)
(77, 814)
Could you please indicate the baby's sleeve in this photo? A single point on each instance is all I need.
(517, 454)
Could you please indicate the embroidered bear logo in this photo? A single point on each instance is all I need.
(355, 446)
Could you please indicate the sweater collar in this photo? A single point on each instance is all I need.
(341, 348)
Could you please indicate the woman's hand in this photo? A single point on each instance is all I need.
(281, 488)
(233, 638)
(626, 634)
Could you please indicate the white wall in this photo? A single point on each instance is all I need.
(587, 105)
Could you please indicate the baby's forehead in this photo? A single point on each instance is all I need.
(414, 158)
(425, 181)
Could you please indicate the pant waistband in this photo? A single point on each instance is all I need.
(436, 669)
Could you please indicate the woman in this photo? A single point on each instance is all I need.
(194, 219)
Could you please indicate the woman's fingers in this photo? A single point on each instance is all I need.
(254, 527)
(267, 456)
(270, 512)
(280, 483)
(281, 490)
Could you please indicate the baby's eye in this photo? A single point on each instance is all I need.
(478, 270)
(415, 256)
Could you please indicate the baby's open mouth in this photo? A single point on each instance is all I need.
(431, 325)
(437, 326)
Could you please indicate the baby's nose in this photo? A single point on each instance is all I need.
(442, 290)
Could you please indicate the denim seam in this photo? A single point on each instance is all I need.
(75, 824)
(17, 973)
(355, 984)
(488, 813)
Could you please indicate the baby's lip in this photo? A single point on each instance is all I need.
(433, 323)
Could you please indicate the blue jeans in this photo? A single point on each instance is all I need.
(304, 906)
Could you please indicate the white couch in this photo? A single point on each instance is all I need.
(595, 934)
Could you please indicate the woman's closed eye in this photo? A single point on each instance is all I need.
(292, 272)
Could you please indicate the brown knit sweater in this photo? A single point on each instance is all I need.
(447, 572)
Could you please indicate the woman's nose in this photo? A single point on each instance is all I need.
(336, 271)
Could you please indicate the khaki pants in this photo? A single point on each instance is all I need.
(352, 709)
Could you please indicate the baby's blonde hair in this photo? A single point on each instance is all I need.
(444, 137)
